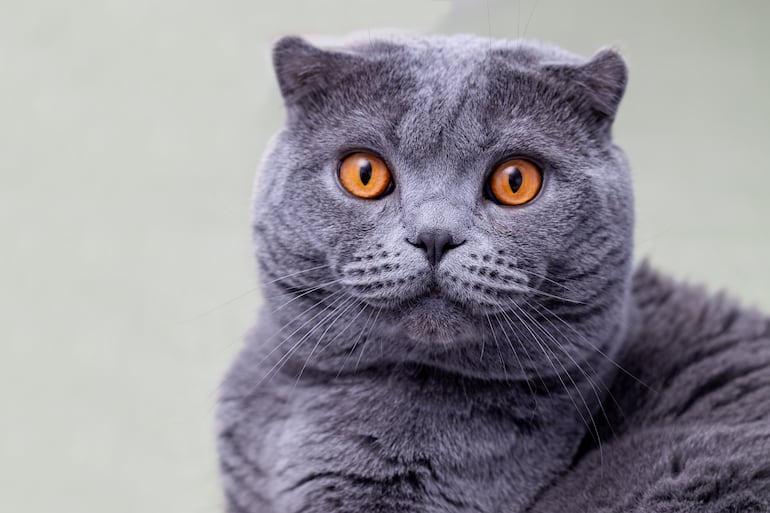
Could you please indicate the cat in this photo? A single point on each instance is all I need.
(452, 320)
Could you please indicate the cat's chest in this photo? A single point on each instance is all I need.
(460, 442)
(418, 413)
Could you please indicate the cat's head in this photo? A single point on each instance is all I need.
(440, 194)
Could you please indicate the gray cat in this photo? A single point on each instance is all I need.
(451, 320)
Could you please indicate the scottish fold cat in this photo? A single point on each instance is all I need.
(444, 232)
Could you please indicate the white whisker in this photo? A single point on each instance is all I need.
(600, 382)
(524, 372)
(297, 273)
(602, 353)
(303, 294)
(363, 346)
(574, 384)
(500, 354)
(285, 358)
(541, 344)
(348, 306)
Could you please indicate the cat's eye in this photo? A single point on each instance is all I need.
(514, 182)
(365, 175)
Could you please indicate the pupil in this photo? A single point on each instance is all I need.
(365, 172)
(515, 179)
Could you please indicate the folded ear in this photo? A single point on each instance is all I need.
(302, 68)
(599, 84)
(605, 79)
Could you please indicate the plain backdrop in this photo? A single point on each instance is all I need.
(130, 132)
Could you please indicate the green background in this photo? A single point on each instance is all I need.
(129, 136)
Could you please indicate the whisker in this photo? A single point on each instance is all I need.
(353, 346)
(285, 358)
(355, 343)
(509, 321)
(348, 325)
(292, 289)
(545, 278)
(553, 296)
(363, 346)
(348, 306)
(282, 328)
(226, 303)
(588, 378)
(613, 362)
(297, 273)
(600, 382)
(483, 343)
(500, 354)
(524, 372)
(312, 289)
(252, 291)
(336, 294)
(540, 343)
(287, 338)
(489, 24)
(534, 6)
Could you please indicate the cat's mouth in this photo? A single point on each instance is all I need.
(436, 298)
(435, 316)
(434, 291)
(471, 298)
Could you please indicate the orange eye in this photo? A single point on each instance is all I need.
(364, 175)
(515, 182)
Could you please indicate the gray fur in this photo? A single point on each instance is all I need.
(529, 370)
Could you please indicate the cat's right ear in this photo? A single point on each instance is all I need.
(604, 78)
(597, 85)
(302, 68)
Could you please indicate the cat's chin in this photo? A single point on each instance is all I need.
(437, 320)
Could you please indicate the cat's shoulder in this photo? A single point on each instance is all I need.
(702, 356)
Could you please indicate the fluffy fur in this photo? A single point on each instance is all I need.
(529, 369)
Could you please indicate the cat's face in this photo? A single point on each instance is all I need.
(451, 126)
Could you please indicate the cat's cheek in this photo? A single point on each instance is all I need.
(523, 234)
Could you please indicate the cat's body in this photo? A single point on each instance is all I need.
(519, 366)
(690, 418)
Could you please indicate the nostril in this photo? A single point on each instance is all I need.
(435, 244)
(453, 245)
(418, 244)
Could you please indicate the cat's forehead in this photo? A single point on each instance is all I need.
(453, 98)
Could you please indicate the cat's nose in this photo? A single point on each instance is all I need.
(435, 243)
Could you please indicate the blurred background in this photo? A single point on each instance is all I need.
(130, 132)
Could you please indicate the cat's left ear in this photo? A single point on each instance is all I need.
(600, 83)
(302, 68)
